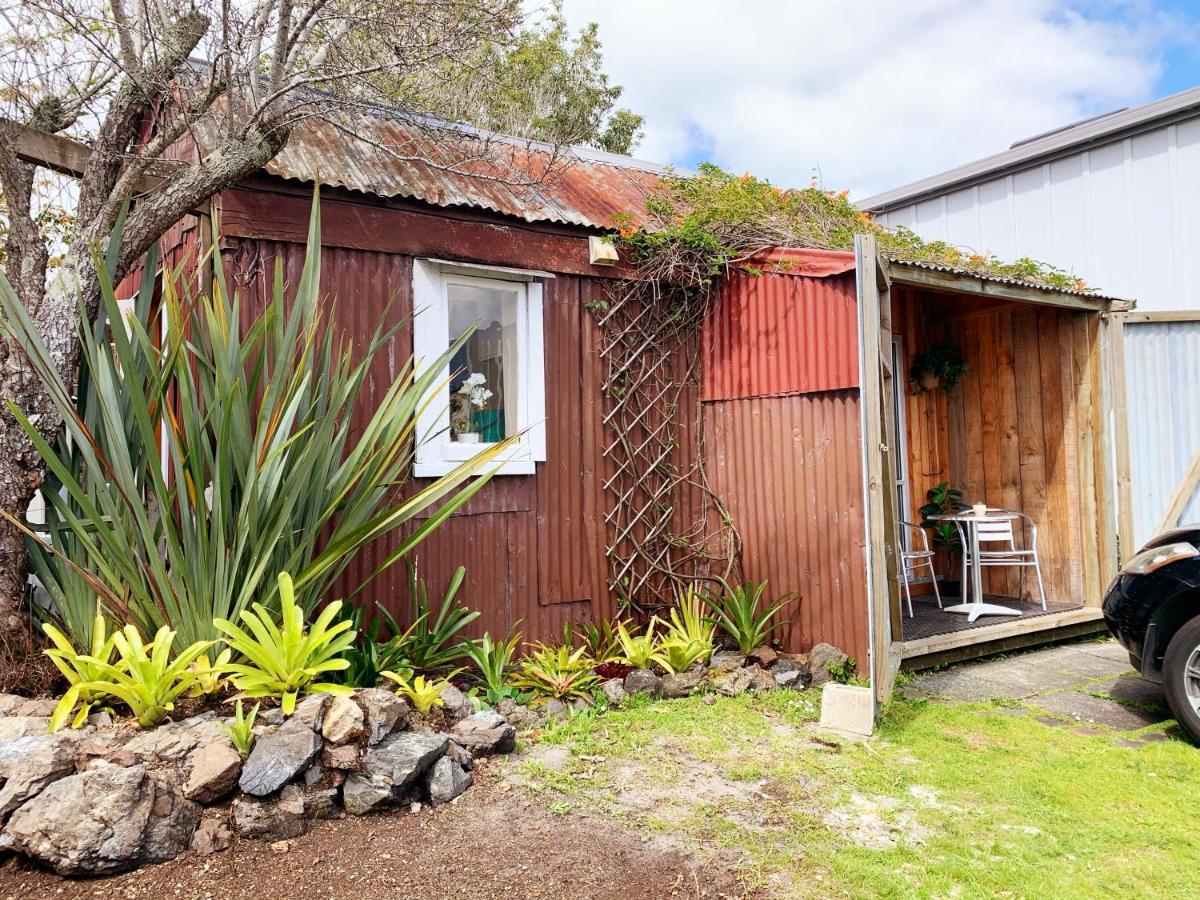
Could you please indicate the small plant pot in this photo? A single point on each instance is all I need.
(467, 437)
(930, 381)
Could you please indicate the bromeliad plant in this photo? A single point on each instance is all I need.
(689, 638)
(494, 660)
(600, 639)
(209, 675)
(739, 611)
(193, 468)
(370, 656)
(80, 670)
(241, 730)
(558, 673)
(423, 693)
(641, 650)
(284, 660)
(147, 678)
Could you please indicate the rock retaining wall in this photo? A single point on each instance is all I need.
(108, 798)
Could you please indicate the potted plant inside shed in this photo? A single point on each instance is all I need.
(937, 366)
(473, 394)
(942, 499)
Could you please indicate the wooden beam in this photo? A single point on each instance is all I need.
(955, 282)
(1118, 394)
(1171, 315)
(1183, 493)
(1008, 635)
(67, 156)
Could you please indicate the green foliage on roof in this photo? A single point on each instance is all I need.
(703, 223)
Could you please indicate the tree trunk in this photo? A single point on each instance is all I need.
(57, 318)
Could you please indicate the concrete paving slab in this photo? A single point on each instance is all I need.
(1132, 689)
(967, 685)
(1105, 649)
(1096, 710)
(1074, 660)
(1028, 675)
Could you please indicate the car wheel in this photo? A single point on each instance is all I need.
(1181, 677)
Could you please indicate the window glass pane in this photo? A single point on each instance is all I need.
(483, 383)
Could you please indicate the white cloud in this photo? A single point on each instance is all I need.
(876, 92)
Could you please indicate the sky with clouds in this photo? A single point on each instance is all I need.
(876, 93)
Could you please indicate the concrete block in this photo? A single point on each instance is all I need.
(847, 708)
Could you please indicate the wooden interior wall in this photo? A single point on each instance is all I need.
(1019, 431)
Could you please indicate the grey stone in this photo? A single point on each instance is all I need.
(760, 680)
(485, 732)
(820, 658)
(384, 712)
(272, 716)
(400, 759)
(279, 757)
(213, 771)
(641, 681)
(554, 710)
(792, 678)
(522, 718)
(362, 795)
(320, 802)
(213, 835)
(103, 821)
(173, 741)
(274, 819)
(455, 703)
(733, 682)
(727, 660)
(614, 690)
(311, 710)
(10, 702)
(447, 780)
(29, 764)
(763, 655)
(341, 756)
(36, 708)
(681, 684)
(344, 721)
(12, 726)
(461, 755)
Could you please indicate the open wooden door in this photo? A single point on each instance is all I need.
(879, 471)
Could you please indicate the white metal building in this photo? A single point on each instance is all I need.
(1116, 200)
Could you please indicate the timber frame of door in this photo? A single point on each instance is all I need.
(878, 439)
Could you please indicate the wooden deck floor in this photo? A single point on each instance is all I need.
(928, 620)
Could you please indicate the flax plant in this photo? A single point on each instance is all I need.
(196, 465)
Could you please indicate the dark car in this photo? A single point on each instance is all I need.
(1153, 608)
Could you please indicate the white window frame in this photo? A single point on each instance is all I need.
(437, 454)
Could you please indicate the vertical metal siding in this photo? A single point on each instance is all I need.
(789, 469)
(1162, 370)
(1122, 215)
(775, 334)
(533, 545)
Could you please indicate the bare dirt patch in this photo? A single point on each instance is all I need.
(496, 841)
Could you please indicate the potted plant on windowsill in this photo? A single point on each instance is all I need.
(472, 394)
(937, 366)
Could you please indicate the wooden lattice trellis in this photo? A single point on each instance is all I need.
(666, 526)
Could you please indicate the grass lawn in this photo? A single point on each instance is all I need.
(951, 800)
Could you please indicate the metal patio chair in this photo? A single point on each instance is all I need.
(914, 558)
(1000, 532)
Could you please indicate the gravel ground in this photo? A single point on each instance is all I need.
(496, 841)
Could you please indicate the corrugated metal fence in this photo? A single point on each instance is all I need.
(1162, 373)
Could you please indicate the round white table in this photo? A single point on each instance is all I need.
(966, 522)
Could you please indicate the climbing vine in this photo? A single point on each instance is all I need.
(666, 524)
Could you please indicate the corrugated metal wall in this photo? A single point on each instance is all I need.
(784, 450)
(1162, 371)
(1124, 215)
(533, 545)
(774, 334)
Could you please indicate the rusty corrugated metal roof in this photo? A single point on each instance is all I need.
(385, 153)
(999, 279)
